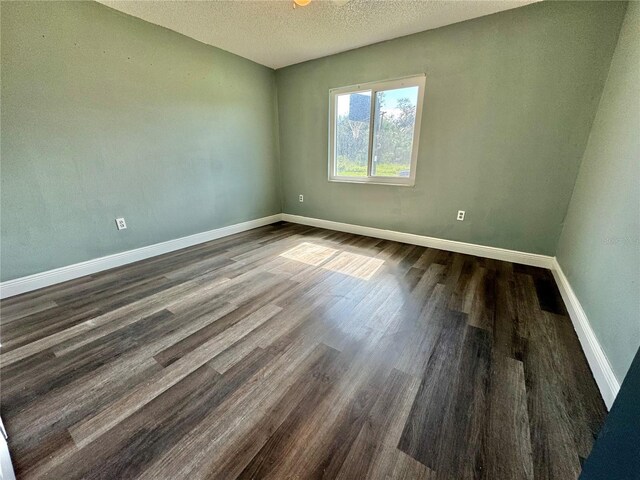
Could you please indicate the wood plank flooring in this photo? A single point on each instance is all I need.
(295, 352)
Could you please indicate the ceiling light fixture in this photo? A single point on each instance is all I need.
(301, 3)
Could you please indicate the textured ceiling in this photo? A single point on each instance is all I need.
(273, 33)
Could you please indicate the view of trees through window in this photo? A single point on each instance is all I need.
(393, 126)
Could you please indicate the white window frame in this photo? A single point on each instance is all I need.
(374, 87)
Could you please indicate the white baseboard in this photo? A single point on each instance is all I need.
(77, 270)
(600, 366)
(598, 362)
(524, 258)
(29, 283)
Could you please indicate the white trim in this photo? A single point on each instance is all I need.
(29, 283)
(77, 270)
(6, 469)
(600, 366)
(375, 87)
(524, 258)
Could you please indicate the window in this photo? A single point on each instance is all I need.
(374, 130)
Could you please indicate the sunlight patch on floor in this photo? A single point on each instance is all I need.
(348, 263)
(354, 265)
(309, 253)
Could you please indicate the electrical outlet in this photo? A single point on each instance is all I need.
(121, 224)
(460, 215)
(301, 198)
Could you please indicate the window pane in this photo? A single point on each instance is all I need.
(352, 134)
(394, 120)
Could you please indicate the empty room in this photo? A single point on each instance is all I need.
(320, 239)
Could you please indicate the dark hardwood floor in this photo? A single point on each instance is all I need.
(295, 352)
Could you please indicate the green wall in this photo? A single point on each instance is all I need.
(599, 250)
(105, 115)
(509, 102)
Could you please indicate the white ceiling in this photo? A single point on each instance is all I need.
(273, 33)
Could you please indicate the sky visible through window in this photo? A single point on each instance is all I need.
(393, 124)
(391, 98)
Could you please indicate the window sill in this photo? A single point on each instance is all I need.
(375, 181)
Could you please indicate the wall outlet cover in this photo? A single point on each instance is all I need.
(460, 215)
(121, 224)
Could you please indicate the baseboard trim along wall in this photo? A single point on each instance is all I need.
(77, 270)
(524, 258)
(17, 286)
(600, 366)
(598, 362)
